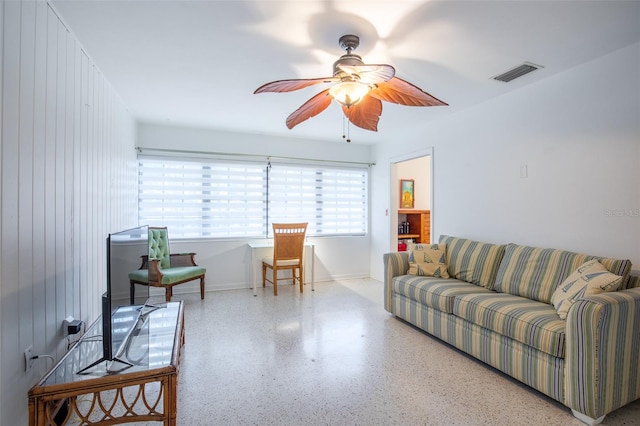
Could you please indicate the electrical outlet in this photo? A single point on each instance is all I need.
(28, 358)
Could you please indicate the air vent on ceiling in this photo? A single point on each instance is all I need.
(518, 71)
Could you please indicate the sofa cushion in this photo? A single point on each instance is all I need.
(533, 323)
(436, 293)
(428, 260)
(589, 279)
(535, 273)
(472, 261)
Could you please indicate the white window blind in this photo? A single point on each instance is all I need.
(332, 200)
(202, 199)
(223, 199)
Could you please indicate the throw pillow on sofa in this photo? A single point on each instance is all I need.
(589, 279)
(472, 261)
(428, 260)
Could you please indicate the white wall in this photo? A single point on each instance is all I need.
(228, 262)
(171, 137)
(68, 179)
(577, 132)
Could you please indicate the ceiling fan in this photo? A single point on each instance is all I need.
(358, 87)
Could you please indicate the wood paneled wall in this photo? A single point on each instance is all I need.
(68, 170)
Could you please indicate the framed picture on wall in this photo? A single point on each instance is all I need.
(407, 193)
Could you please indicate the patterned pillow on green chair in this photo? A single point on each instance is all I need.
(428, 260)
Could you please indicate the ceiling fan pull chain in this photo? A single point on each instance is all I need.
(343, 132)
(348, 136)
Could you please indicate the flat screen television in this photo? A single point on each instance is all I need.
(124, 254)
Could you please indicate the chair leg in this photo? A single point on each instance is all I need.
(168, 293)
(264, 275)
(202, 287)
(275, 281)
(132, 292)
(301, 278)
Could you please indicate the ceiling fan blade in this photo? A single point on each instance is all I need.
(365, 114)
(370, 74)
(402, 92)
(311, 108)
(280, 86)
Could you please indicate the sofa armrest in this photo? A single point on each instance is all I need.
(633, 281)
(183, 259)
(602, 364)
(395, 264)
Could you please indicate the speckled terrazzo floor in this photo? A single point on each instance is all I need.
(336, 357)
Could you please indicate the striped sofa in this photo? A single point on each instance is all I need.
(496, 306)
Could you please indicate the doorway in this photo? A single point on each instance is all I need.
(417, 166)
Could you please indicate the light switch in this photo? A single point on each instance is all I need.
(523, 171)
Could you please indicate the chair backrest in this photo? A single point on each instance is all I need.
(159, 246)
(288, 240)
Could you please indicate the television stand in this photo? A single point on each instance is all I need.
(145, 391)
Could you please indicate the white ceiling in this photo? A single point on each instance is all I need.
(197, 63)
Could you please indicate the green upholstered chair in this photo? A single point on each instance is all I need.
(163, 269)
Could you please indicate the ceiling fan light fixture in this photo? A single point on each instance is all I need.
(358, 87)
(349, 92)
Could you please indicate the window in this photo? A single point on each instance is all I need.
(202, 199)
(332, 200)
(226, 199)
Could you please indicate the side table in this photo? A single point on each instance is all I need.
(145, 391)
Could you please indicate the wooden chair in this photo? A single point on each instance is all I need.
(162, 269)
(288, 244)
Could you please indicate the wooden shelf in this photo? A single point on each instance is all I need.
(419, 224)
(413, 211)
(405, 236)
